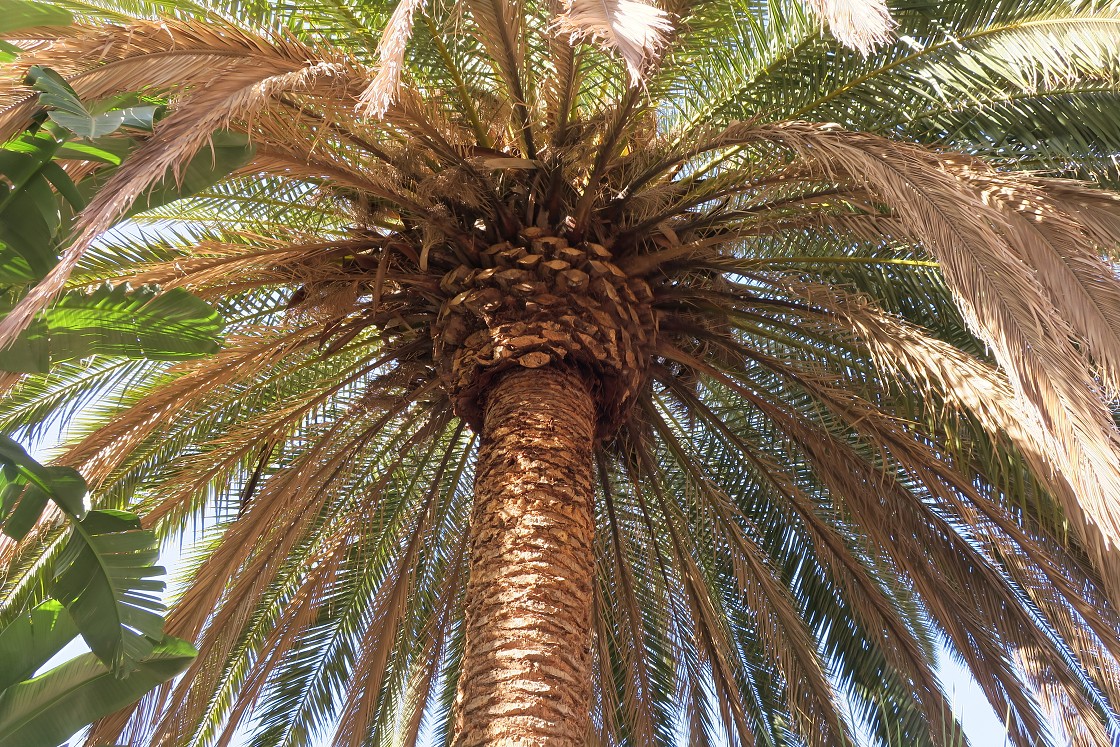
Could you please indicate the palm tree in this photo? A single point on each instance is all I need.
(611, 373)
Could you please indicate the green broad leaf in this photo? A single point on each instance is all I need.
(88, 125)
(15, 457)
(30, 352)
(31, 639)
(140, 117)
(228, 151)
(29, 224)
(54, 92)
(48, 710)
(29, 506)
(35, 201)
(109, 150)
(106, 574)
(26, 486)
(23, 157)
(67, 488)
(29, 209)
(136, 323)
(67, 110)
(22, 161)
(119, 321)
(22, 14)
(9, 494)
(106, 578)
(14, 268)
(64, 185)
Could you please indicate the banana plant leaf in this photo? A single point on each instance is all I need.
(30, 219)
(29, 640)
(106, 578)
(124, 322)
(26, 485)
(66, 109)
(24, 14)
(227, 152)
(38, 203)
(48, 710)
(105, 575)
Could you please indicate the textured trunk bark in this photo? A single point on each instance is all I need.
(526, 676)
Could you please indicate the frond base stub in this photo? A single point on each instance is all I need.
(544, 302)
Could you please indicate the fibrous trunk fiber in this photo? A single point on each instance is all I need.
(526, 675)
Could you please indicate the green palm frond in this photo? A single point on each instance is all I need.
(854, 383)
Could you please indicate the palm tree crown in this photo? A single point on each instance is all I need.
(851, 350)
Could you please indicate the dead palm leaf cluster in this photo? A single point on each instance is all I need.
(855, 383)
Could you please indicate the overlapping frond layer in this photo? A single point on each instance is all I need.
(189, 703)
(260, 73)
(285, 468)
(942, 370)
(1029, 83)
(871, 607)
(982, 255)
(850, 480)
(871, 384)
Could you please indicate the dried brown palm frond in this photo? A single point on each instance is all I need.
(430, 491)
(99, 61)
(389, 609)
(667, 154)
(97, 457)
(863, 490)
(382, 90)
(1045, 573)
(239, 94)
(173, 500)
(1062, 248)
(998, 293)
(808, 690)
(1059, 710)
(1056, 600)
(263, 259)
(295, 617)
(311, 479)
(560, 90)
(636, 30)
(1097, 210)
(862, 25)
(965, 383)
(252, 552)
(8, 381)
(1034, 564)
(436, 636)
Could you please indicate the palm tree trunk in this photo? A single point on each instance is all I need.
(526, 676)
